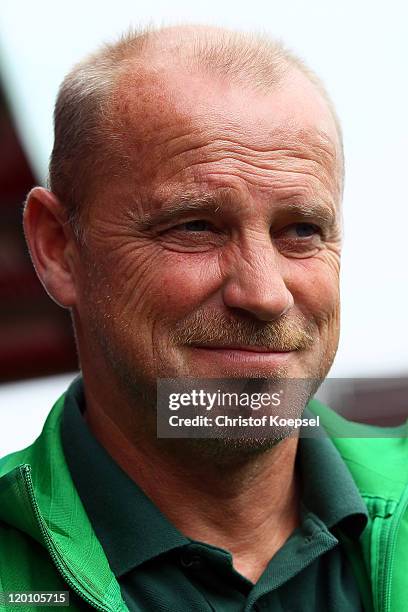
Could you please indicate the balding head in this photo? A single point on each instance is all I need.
(91, 108)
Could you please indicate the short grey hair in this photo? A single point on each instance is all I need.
(85, 142)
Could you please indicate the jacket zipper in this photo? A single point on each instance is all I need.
(389, 551)
(26, 470)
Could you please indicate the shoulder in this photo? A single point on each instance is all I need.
(376, 456)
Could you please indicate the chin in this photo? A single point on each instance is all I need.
(226, 451)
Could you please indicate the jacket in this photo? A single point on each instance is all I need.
(47, 542)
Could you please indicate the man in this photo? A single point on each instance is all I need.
(193, 228)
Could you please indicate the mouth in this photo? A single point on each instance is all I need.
(242, 348)
(247, 356)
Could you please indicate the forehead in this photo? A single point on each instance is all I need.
(170, 118)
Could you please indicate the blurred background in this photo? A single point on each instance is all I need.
(359, 49)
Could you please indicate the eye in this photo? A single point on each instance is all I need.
(197, 235)
(304, 230)
(198, 225)
(299, 239)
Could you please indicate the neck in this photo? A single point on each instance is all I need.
(246, 504)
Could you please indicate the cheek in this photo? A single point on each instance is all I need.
(314, 284)
(118, 281)
(183, 282)
(147, 284)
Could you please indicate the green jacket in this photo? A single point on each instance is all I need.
(47, 541)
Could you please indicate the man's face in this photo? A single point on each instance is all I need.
(222, 233)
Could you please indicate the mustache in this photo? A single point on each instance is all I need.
(285, 334)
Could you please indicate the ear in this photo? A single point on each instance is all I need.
(51, 245)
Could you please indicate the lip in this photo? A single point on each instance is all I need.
(240, 348)
(247, 357)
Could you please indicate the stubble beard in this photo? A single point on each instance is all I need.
(139, 386)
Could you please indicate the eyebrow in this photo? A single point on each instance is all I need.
(212, 204)
(184, 204)
(313, 209)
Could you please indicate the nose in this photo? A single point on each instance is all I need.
(255, 283)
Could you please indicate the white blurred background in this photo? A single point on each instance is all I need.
(360, 49)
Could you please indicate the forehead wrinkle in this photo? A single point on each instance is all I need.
(308, 145)
(200, 132)
(327, 152)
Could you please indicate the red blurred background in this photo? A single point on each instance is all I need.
(36, 336)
